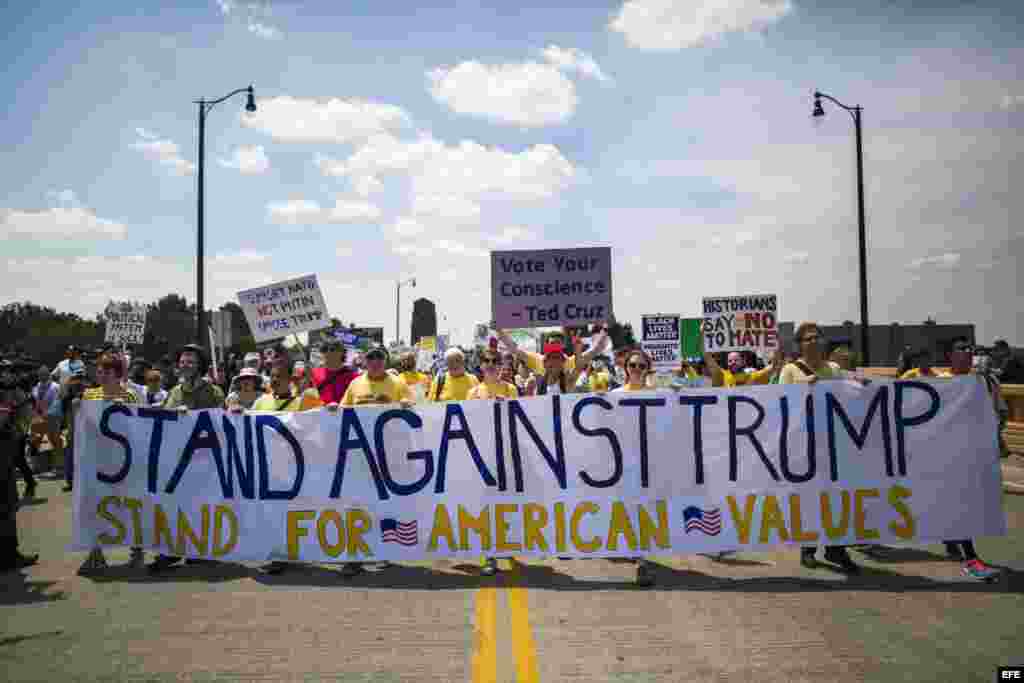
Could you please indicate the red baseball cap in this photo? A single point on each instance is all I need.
(554, 348)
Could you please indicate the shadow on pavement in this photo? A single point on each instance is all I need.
(27, 502)
(889, 554)
(16, 589)
(209, 573)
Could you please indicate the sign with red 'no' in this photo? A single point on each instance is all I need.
(741, 323)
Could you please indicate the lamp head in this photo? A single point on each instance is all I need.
(818, 111)
(250, 101)
(413, 282)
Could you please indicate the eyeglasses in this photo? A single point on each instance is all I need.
(638, 366)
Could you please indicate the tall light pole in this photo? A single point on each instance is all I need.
(855, 113)
(204, 107)
(398, 291)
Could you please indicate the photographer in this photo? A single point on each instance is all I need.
(14, 409)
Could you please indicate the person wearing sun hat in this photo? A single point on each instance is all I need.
(246, 387)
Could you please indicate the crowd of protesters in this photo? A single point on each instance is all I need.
(42, 402)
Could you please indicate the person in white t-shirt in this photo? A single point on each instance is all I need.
(71, 364)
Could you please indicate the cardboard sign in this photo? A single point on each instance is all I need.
(660, 341)
(551, 287)
(741, 323)
(126, 323)
(285, 308)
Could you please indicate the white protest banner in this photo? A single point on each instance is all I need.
(619, 474)
(741, 323)
(551, 287)
(285, 308)
(660, 341)
(125, 322)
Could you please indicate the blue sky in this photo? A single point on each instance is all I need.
(393, 142)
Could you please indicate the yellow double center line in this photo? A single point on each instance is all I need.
(485, 654)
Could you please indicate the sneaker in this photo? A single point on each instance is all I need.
(953, 552)
(94, 562)
(138, 560)
(840, 557)
(162, 562)
(490, 567)
(351, 569)
(807, 559)
(644, 575)
(976, 569)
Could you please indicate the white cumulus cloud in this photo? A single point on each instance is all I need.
(467, 169)
(514, 235)
(527, 94)
(61, 221)
(673, 25)
(164, 152)
(245, 257)
(572, 59)
(296, 119)
(248, 159)
(309, 212)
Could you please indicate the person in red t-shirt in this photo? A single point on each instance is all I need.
(333, 379)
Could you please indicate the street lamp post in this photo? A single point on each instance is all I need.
(855, 113)
(398, 290)
(204, 107)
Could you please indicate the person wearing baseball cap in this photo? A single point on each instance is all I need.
(376, 386)
(72, 363)
(332, 380)
(194, 392)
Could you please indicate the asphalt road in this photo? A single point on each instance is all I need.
(753, 617)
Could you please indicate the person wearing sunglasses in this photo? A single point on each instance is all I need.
(810, 367)
(637, 366)
(492, 388)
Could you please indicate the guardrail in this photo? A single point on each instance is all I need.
(1013, 394)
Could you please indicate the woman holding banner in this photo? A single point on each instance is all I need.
(810, 367)
(110, 372)
(638, 364)
(492, 388)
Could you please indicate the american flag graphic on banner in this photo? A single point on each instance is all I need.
(403, 533)
(707, 522)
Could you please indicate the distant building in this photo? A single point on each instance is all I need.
(424, 320)
(887, 342)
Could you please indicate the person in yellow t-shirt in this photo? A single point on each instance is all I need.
(492, 388)
(415, 380)
(535, 361)
(921, 366)
(455, 383)
(376, 386)
(282, 397)
(110, 375)
(737, 376)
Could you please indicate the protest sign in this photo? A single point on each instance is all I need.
(691, 338)
(551, 287)
(125, 323)
(835, 463)
(285, 308)
(741, 323)
(660, 341)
